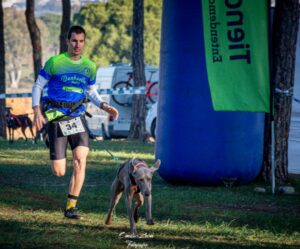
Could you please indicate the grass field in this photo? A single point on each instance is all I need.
(32, 202)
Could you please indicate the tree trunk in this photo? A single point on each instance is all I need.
(65, 24)
(138, 115)
(284, 40)
(35, 36)
(2, 76)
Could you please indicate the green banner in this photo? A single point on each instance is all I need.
(237, 57)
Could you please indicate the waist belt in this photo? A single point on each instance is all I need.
(63, 104)
(55, 114)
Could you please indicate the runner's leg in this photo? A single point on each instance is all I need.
(79, 163)
(80, 147)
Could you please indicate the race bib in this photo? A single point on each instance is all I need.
(72, 126)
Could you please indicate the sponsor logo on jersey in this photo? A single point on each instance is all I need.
(73, 79)
(87, 71)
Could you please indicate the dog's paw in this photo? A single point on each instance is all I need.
(150, 222)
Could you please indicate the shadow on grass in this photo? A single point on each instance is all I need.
(35, 188)
(38, 234)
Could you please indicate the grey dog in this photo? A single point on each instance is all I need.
(134, 177)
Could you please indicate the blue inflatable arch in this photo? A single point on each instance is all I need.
(196, 144)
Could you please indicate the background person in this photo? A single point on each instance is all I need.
(65, 81)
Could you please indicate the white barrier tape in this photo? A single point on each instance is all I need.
(286, 92)
(123, 90)
(109, 91)
(14, 95)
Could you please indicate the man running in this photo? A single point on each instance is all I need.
(65, 81)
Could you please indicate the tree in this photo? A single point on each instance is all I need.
(53, 42)
(17, 45)
(65, 24)
(35, 37)
(138, 113)
(18, 65)
(284, 40)
(152, 31)
(109, 31)
(2, 75)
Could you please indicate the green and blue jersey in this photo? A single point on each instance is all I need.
(67, 80)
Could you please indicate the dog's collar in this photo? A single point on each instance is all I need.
(133, 186)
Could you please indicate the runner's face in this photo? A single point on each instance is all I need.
(76, 44)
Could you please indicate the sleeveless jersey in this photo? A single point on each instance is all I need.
(67, 80)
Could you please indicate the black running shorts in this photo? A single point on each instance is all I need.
(59, 143)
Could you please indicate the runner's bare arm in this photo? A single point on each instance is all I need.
(38, 120)
(94, 96)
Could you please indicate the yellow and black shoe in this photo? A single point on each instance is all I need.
(72, 213)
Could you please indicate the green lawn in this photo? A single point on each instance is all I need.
(32, 202)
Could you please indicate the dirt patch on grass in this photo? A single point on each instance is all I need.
(28, 194)
(268, 208)
(43, 198)
(10, 210)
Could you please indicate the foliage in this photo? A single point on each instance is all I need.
(108, 27)
(109, 31)
(17, 41)
(32, 201)
(52, 21)
(18, 50)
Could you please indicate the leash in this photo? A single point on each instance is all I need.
(111, 154)
(103, 144)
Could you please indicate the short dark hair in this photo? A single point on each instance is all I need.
(75, 29)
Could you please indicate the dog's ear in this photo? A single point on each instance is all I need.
(155, 166)
(132, 168)
(133, 164)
